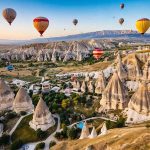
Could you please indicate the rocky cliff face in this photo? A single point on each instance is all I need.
(76, 50)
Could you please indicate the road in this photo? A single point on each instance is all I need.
(18, 122)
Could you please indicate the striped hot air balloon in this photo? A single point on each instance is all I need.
(142, 25)
(41, 24)
(97, 53)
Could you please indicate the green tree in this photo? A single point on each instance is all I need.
(16, 144)
(65, 103)
(35, 99)
(40, 146)
(4, 140)
(120, 122)
(72, 133)
(41, 134)
(52, 143)
(55, 106)
(75, 101)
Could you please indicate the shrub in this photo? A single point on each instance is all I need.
(40, 146)
(11, 115)
(52, 143)
(72, 133)
(41, 134)
(4, 140)
(35, 99)
(23, 113)
(16, 145)
(120, 122)
(110, 125)
(58, 135)
(147, 125)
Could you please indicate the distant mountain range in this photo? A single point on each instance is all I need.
(124, 34)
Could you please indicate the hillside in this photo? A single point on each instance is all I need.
(129, 138)
(119, 34)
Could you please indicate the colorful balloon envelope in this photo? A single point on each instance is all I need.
(122, 6)
(75, 22)
(97, 53)
(10, 68)
(41, 24)
(9, 14)
(121, 21)
(142, 25)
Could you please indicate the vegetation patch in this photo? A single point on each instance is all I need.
(27, 134)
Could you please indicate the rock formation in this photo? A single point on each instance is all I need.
(115, 95)
(22, 102)
(91, 87)
(1, 129)
(42, 117)
(6, 96)
(93, 133)
(103, 129)
(85, 131)
(84, 87)
(134, 68)
(78, 86)
(87, 78)
(140, 100)
(100, 84)
(146, 70)
(122, 73)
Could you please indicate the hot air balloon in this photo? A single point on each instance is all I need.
(41, 24)
(75, 22)
(142, 25)
(122, 6)
(97, 53)
(121, 21)
(9, 14)
(10, 68)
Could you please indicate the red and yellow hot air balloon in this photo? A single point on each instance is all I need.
(9, 14)
(41, 24)
(142, 25)
(97, 53)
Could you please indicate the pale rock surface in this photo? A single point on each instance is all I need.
(100, 84)
(132, 85)
(103, 129)
(84, 87)
(6, 96)
(134, 117)
(85, 131)
(115, 95)
(22, 102)
(93, 133)
(42, 117)
(1, 129)
(91, 87)
(140, 100)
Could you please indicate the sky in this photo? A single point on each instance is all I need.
(93, 15)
